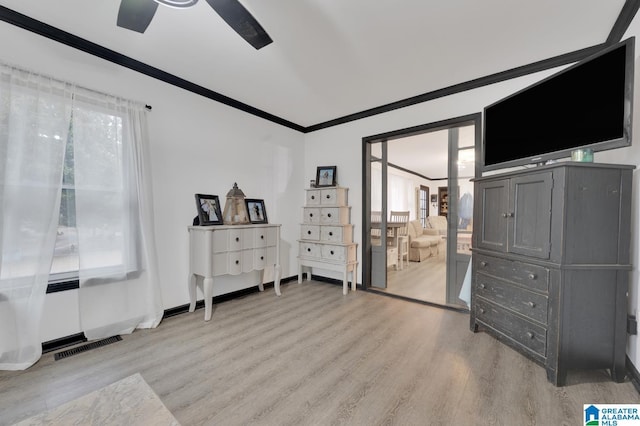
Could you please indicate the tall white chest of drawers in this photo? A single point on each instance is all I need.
(326, 236)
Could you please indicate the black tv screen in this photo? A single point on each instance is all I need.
(587, 105)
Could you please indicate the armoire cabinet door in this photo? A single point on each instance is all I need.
(530, 215)
(492, 232)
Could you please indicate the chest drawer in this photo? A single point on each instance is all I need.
(310, 232)
(333, 196)
(309, 249)
(338, 253)
(532, 305)
(527, 275)
(311, 215)
(334, 215)
(337, 234)
(526, 333)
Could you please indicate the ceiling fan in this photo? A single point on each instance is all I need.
(136, 15)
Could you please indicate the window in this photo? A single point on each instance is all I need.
(65, 263)
(94, 209)
(424, 205)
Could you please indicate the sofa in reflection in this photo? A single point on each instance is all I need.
(425, 242)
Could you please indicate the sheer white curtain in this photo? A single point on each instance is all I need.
(119, 282)
(400, 191)
(34, 121)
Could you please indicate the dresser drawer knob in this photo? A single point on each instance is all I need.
(262, 237)
(531, 304)
(481, 311)
(261, 257)
(530, 335)
(310, 214)
(328, 196)
(237, 239)
(532, 276)
(330, 234)
(309, 250)
(483, 263)
(331, 252)
(329, 215)
(313, 197)
(482, 286)
(237, 262)
(308, 232)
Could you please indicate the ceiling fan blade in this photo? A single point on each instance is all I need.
(241, 21)
(136, 15)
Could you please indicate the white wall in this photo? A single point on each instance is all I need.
(343, 144)
(197, 146)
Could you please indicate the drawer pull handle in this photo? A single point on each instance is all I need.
(532, 276)
(531, 304)
(310, 214)
(332, 252)
(530, 335)
(483, 263)
(237, 262)
(504, 215)
(261, 257)
(237, 239)
(309, 250)
(328, 196)
(329, 215)
(481, 311)
(483, 286)
(313, 197)
(510, 214)
(262, 237)
(330, 234)
(308, 232)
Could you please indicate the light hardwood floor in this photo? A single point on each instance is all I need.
(426, 280)
(316, 357)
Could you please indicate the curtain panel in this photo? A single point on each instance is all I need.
(34, 121)
(41, 119)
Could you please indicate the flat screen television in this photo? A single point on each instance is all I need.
(587, 105)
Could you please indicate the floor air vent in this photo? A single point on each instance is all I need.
(88, 346)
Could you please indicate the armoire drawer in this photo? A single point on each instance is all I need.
(528, 303)
(528, 334)
(527, 275)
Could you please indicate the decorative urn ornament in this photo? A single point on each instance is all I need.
(235, 210)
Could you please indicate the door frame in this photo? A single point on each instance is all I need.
(471, 119)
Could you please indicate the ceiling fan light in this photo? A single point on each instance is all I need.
(179, 4)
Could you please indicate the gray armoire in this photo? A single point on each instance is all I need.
(551, 264)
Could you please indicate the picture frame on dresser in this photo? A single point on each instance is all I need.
(326, 176)
(209, 212)
(256, 209)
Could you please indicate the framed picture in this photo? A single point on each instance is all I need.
(326, 176)
(257, 212)
(209, 211)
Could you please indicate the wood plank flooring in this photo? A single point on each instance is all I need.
(426, 280)
(316, 357)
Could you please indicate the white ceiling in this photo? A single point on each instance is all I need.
(332, 58)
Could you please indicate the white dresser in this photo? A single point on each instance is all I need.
(326, 236)
(231, 250)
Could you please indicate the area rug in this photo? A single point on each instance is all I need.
(129, 401)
